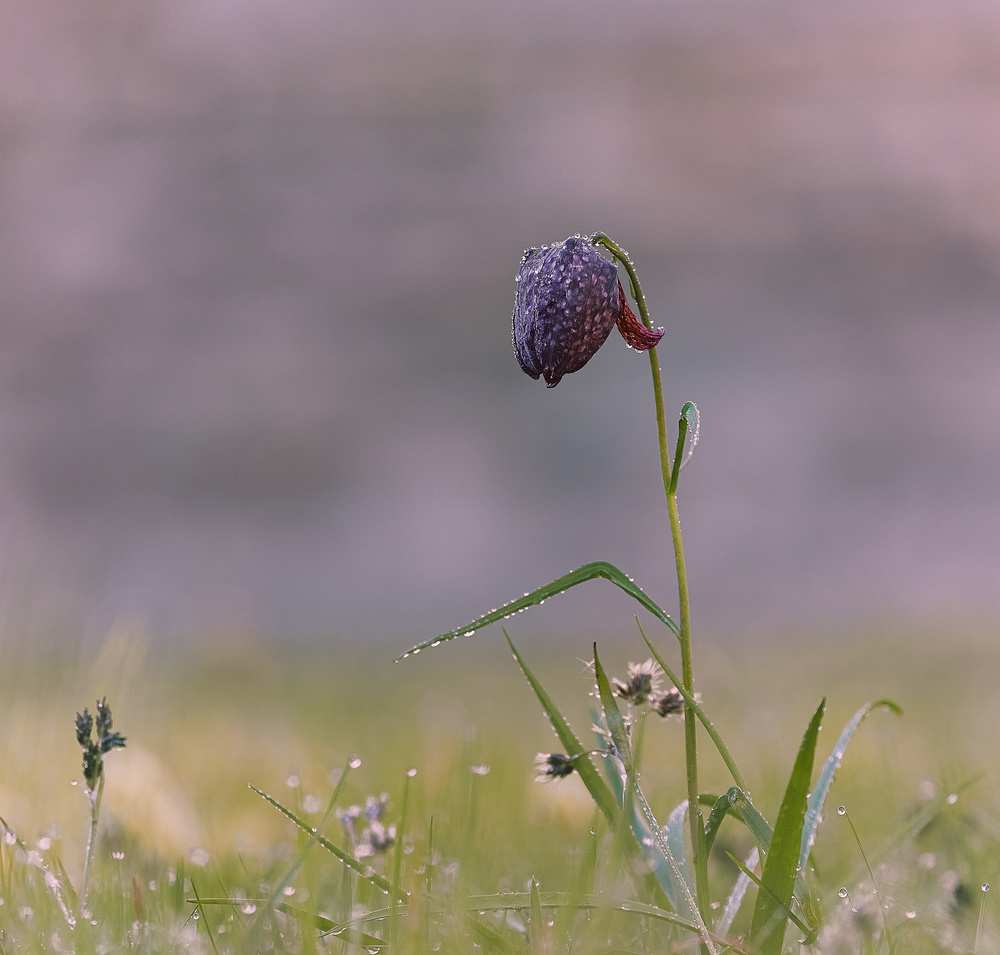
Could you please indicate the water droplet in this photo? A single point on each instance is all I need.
(354, 762)
(288, 890)
(952, 799)
(843, 892)
(292, 782)
(985, 886)
(411, 773)
(249, 908)
(911, 914)
(842, 810)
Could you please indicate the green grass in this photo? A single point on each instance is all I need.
(179, 821)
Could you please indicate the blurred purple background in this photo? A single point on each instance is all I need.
(257, 269)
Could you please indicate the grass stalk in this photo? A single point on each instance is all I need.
(670, 468)
(94, 796)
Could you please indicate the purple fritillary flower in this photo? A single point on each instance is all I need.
(568, 298)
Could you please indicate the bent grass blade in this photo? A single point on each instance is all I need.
(814, 810)
(598, 568)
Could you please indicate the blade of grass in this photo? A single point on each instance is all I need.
(689, 700)
(592, 571)
(518, 901)
(720, 809)
(592, 779)
(345, 932)
(204, 919)
(735, 899)
(767, 925)
(536, 924)
(814, 810)
(672, 879)
(380, 882)
(784, 909)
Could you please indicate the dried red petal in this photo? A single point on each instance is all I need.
(633, 331)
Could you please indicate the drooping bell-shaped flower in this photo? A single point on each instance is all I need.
(568, 299)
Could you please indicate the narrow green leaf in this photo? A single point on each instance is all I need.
(814, 810)
(613, 718)
(759, 827)
(735, 899)
(680, 885)
(599, 568)
(536, 924)
(674, 832)
(374, 878)
(204, 919)
(645, 827)
(692, 418)
(689, 700)
(720, 809)
(519, 901)
(786, 911)
(330, 929)
(592, 779)
(767, 925)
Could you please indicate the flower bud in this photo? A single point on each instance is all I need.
(568, 298)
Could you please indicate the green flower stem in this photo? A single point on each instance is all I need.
(95, 811)
(670, 468)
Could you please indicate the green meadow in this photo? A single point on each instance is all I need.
(180, 823)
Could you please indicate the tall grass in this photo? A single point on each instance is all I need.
(202, 724)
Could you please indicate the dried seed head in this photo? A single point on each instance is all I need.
(643, 681)
(666, 704)
(552, 766)
(568, 298)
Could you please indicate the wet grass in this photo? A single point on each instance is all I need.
(180, 823)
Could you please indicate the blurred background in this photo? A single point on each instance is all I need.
(256, 271)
